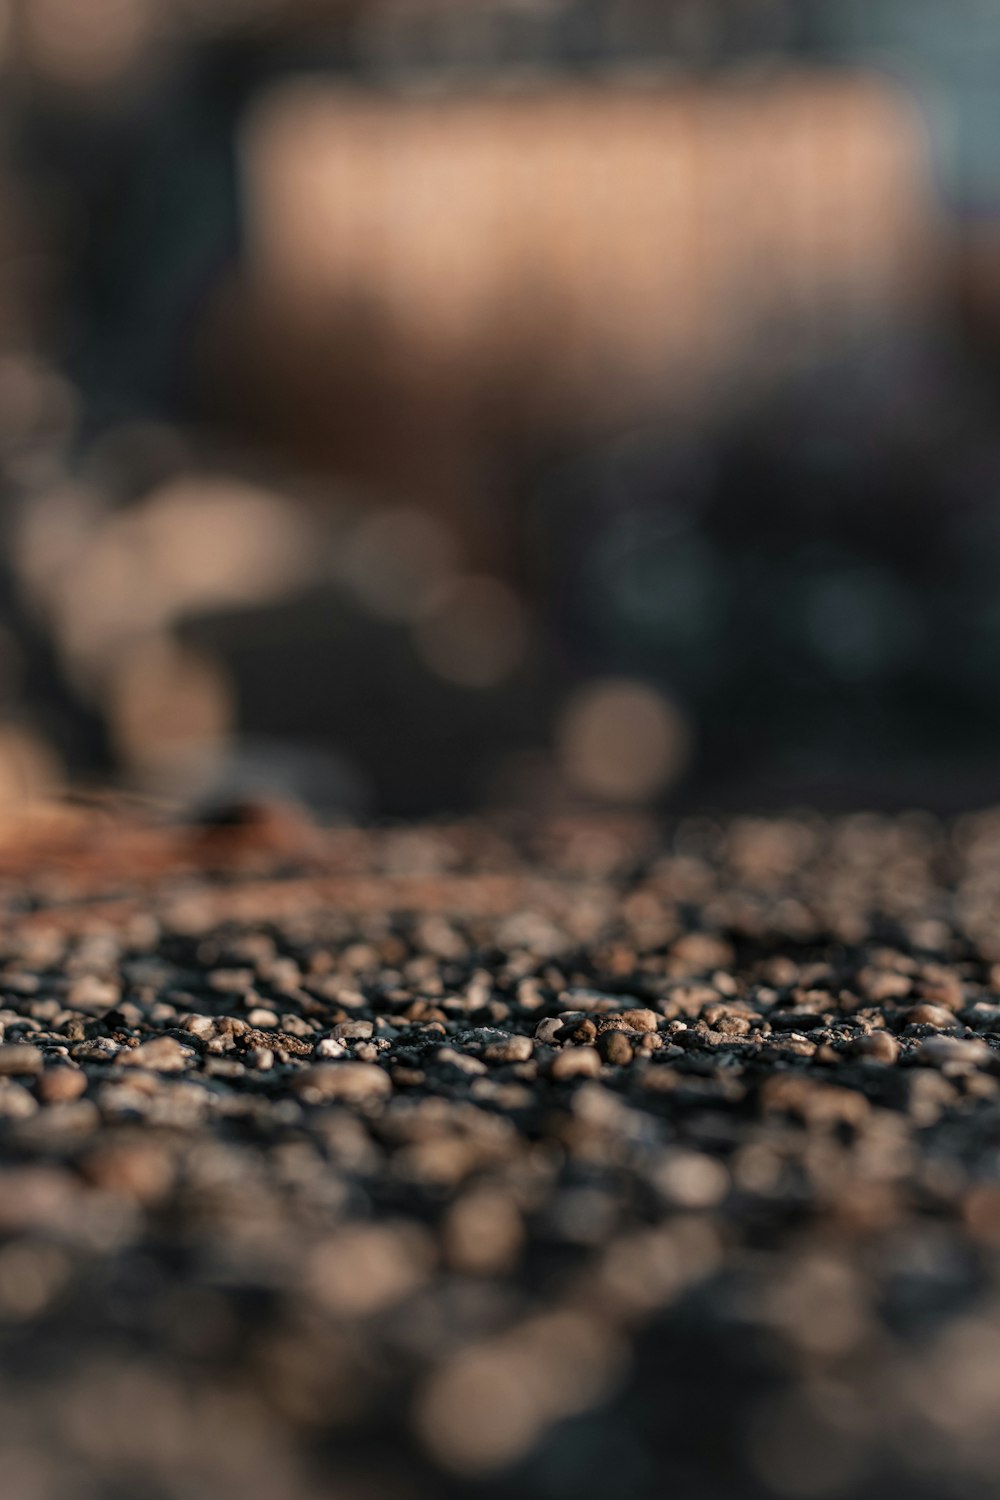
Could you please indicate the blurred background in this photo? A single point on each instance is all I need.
(409, 406)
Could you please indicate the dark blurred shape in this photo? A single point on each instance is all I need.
(353, 692)
(815, 579)
(405, 404)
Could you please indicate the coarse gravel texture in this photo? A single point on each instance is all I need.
(574, 1158)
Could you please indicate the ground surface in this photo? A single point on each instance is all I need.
(567, 1160)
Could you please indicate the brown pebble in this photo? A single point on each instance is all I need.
(730, 1025)
(16, 1103)
(883, 984)
(928, 1095)
(638, 1020)
(61, 1085)
(879, 1047)
(615, 1047)
(18, 1058)
(483, 1232)
(690, 1179)
(547, 1030)
(353, 1031)
(941, 987)
(163, 1054)
(200, 1026)
(410, 1078)
(92, 995)
(365, 1267)
(817, 1103)
(981, 1212)
(698, 952)
(232, 1026)
(261, 1017)
(945, 1051)
(231, 981)
(514, 1049)
(138, 1170)
(463, 1061)
(352, 1081)
(930, 1015)
(581, 1032)
(576, 1062)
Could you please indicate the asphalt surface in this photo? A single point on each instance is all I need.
(566, 1159)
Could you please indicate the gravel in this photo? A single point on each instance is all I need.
(570, 1159)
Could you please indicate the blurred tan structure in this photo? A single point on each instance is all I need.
(459, 247)
(459, 269)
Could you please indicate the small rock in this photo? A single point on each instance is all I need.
(638, 1020)
(19, 1058)
(262, 1018)
(366, 1267)
(203, 1027)
(16, 1103)
(576, 1062)
(327, 1047)
(548, 1030)
(136, 1169)
(513, 1049)
(946, 1051)
(231, 981)
(460, 1060)
(879, 985)
(93, 995)
(930, 1015)
(582, 1031)
(941, 987)
(615, 1047)
(820, 1104)
(731, 1024)
(879, 1047)
(689, 1179)
(483, 1232)
(353, 1031)
(163, 1054)
(61, 1085)
(351, 1081)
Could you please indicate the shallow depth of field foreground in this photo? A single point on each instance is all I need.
(571, 1159)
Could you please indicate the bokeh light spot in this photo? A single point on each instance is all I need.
(397, 559)
(473, 633)
(622, 740)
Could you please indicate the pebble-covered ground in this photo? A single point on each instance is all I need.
(564, 1160)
